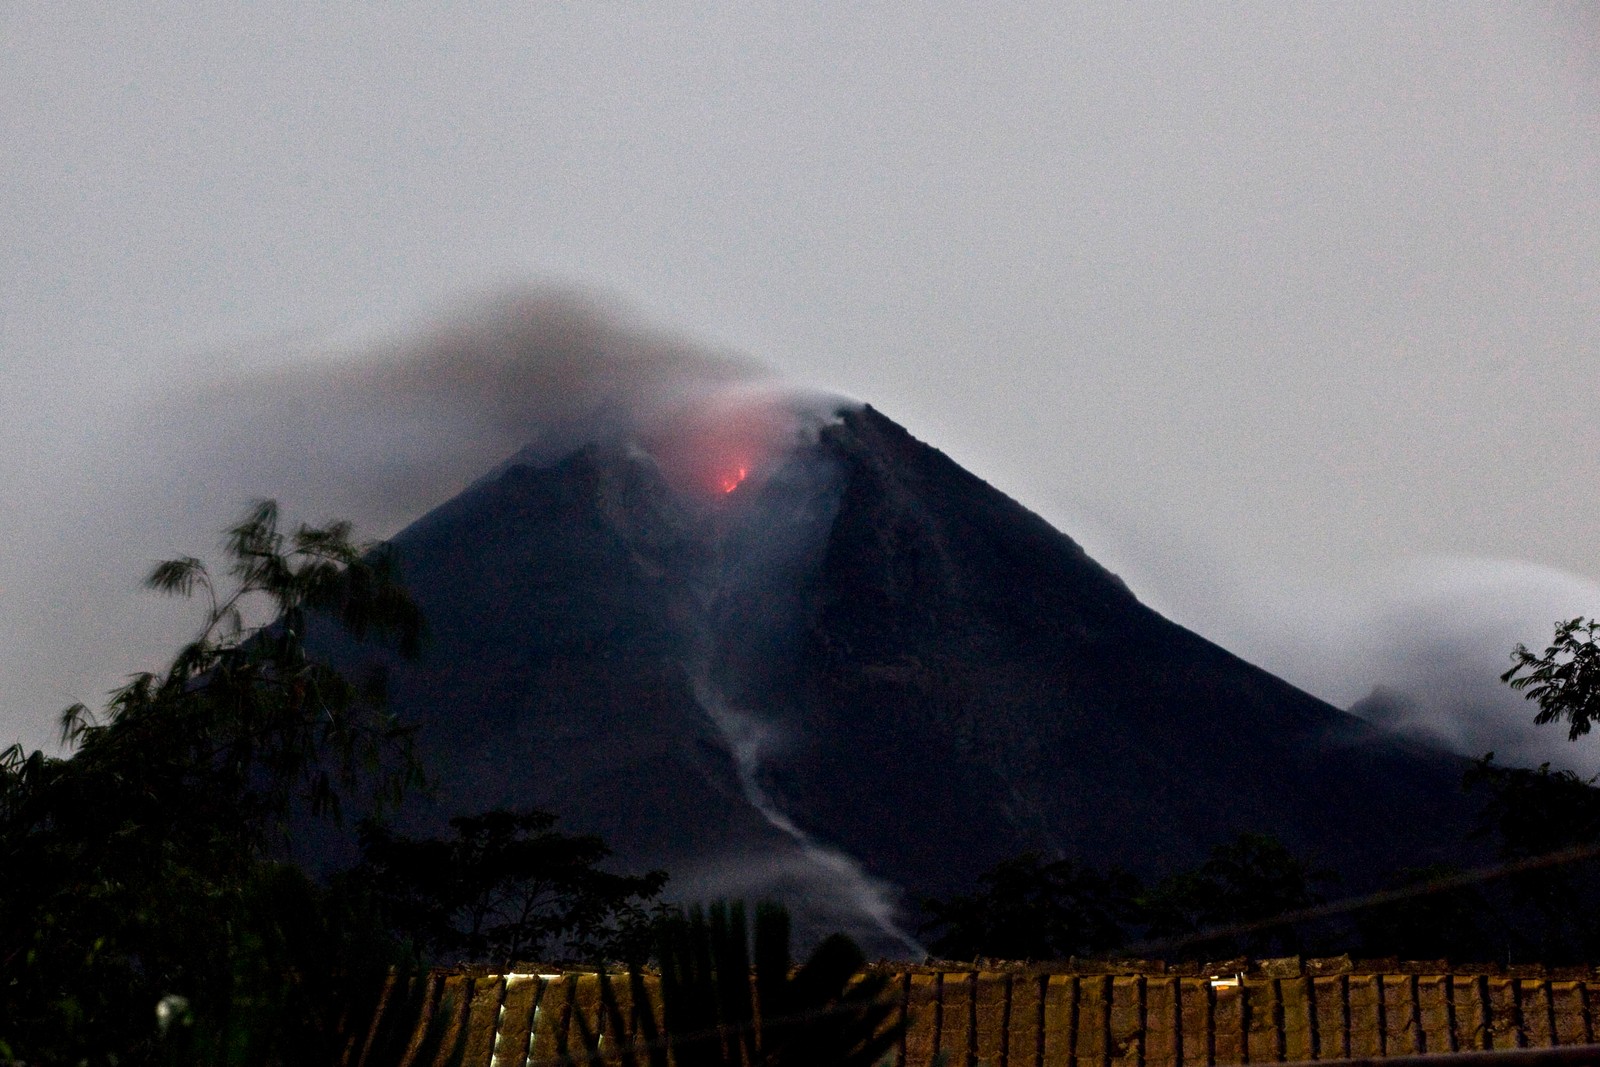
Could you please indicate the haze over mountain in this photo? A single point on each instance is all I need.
(384, 431)
(777, 646)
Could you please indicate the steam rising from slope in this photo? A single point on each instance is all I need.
(770, 535)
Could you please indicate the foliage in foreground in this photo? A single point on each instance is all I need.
(1565, 680)
(508, 887)
(142, 866)
(144, 870)
(729, 1002)
(1541, 904)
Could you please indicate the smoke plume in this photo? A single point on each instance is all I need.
(387, 433)
(376, 434)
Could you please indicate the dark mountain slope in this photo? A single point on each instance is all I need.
(965, 636)
(864, 665)
(553, 675)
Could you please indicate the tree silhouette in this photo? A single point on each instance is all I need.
(1534, 814)
(136, 869)
(1027, 909)
(508, 887)
(1248, 880)
(1565, 679)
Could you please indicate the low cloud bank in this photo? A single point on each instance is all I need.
(1436, 641)
(1417, 646)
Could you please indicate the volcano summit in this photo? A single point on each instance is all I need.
(797, 653)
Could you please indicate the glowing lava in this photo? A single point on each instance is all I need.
(712, 445)
(730, 482)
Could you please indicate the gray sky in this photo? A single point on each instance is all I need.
(1289, 313)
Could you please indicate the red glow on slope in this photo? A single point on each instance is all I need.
(713, 445)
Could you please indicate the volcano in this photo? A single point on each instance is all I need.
(845, 672)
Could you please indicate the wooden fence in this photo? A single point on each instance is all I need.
(1026, 1018)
